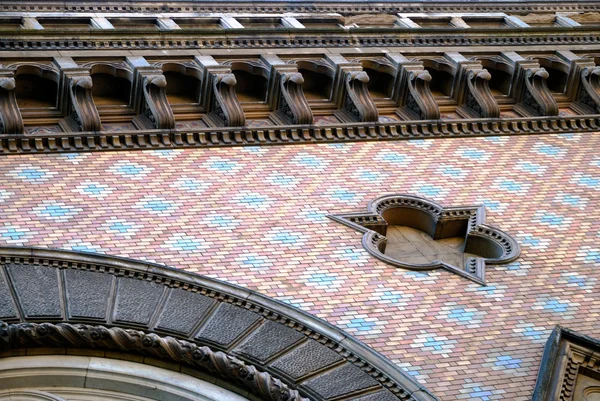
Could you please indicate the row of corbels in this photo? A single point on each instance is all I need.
(285, 97)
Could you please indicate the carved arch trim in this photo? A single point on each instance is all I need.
(119, 303)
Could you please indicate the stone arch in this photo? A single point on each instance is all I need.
(56, 298)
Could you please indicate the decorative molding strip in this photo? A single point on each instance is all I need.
(487, 244)
(280, 7)
(244, 136)
(257, 318)
(306, 38)
(50, 335)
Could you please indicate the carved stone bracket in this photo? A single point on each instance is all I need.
(79, 106)
(474, 96)
(11, 121)
(351, 92)
(412, 93)
(219, 98)
(530, 90)
(588, 97)
(155, 111)
(262, 384)
(286, 96)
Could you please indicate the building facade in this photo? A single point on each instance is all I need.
(336, 200)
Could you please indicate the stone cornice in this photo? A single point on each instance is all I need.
(245, 136)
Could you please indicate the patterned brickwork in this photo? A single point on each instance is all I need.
(255, 216)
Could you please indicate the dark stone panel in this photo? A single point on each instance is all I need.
(37, 290)
(137, 300)
(88, 293)
(226, 324)
(378, 396)
(306, 359)
(268, 340)
(7, 307)
(342, 380)
(183, 310)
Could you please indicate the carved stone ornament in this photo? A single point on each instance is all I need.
(415, 99)
(536, 98)
(478, 99)
(358, 105)
(83, 113)
(464, 243)
(156, 107)
(11, 121)
(49, 335)
(275, 351)
(293, 107)
(589, 90)
(226, 109)
(570, 368)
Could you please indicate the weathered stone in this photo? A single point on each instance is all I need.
(306, 359)
(37, 290)
(342, 380)
(87, 294)
(227, 324)
(136, 300)
(183, 310)
(378, 396)
(268, 340)
(7, 307)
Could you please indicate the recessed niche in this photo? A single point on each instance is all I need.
(33, 91)
(417, 234)
(441, 82)
(108, 90)
(380, 84)
(250, 87)
(316, 86)
(181, 88)
(65, 23)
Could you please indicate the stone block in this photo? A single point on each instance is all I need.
(37, 290)
(270, 339)
(87, 294)
(226, 324)
(136, 300)
(306, 359)
(183, 310)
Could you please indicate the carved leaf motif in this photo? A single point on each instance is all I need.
(292, 101)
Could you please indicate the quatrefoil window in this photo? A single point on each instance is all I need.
(414, 233)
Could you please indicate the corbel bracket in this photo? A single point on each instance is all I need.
(286, 96)
(11, 121)
(413, 95)
(351, 92)
(357, 104)
(588, 96)
(224, 109)
(81, 111)
(531, 92)
(474, 96)
(150, 101)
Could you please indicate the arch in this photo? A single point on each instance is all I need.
(252, 81)
(558, 72)
(318, 79)
(502, 74)
(110, 303)
(93, 377)
(112, 84)
(36, 86)
(382, 77)
(442, 77)
(183, 83)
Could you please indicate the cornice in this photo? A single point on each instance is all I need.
(245, 136)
